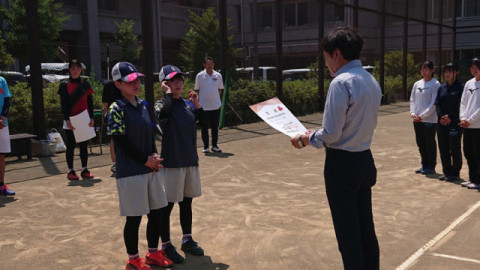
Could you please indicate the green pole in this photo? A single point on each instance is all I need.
(224, 99)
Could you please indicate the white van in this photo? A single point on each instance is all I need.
(264, 73)
(295, 74)
(53, 72)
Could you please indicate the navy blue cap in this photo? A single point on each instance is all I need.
(168, 72)
(125, 71)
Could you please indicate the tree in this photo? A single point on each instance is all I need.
(394, 64)
(50, 20)
(127, 40)
(204, 38)
(6, 60)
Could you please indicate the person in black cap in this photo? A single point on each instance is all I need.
(139, 184)
(181, 176)
(448, 132)
(75, 98)
(422, 111)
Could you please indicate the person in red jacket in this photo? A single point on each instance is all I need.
(75, 97)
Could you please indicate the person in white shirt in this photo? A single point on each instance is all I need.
(423, 113)
(349, 120)
(209, 85)
(469, 120)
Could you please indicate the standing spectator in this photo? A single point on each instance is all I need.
(109, 95)
(5, 96)
(349, 120)
(140, 188)
(181, 174)
(469, 120)
(448, 132)
(209, 85)
(422, 111)
(75, 97)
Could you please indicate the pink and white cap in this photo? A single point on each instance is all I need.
(126, 72)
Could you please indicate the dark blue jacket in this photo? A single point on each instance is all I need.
(448, 102)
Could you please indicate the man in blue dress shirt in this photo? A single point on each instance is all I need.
(349, 120)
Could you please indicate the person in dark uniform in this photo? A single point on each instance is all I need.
(76, 96)
(448, 132)
(109, 95)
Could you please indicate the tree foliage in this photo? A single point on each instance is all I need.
(127, 40)
(204, 38)
(6, 60)
(50, 20)
(394, 64)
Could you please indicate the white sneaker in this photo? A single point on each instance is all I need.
(473, 186)
(216, 149)
(205, 150)
(466, 183)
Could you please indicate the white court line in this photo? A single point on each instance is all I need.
(437, 238)
(456, 258)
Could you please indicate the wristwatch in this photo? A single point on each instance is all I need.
(300, 141)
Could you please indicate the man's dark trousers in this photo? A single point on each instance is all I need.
(427, 146)
(471, 150)
(212, 118)
(349, 177)
(450, 146)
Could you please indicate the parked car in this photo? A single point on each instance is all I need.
(295, 74)
(53, 72)
(12, 77)
(264, 73)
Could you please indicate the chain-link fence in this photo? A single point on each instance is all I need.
(399, 34)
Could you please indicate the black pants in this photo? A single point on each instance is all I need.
(71, 149)
(471, 149)
(185, 218)
(209, 118)
(130, 231)
(349, 177)
(427, 146)
(450, 146)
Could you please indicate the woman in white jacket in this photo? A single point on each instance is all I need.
(423, 113)
(469, 120)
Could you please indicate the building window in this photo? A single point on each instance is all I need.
(265, 16)
(471, 8)
(238, 18)
(334, 13)
(111, 5)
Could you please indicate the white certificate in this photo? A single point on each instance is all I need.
(277, 115)
(83, 131)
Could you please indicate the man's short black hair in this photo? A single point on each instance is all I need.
(208, 58)
(476, 62)
(346, 39)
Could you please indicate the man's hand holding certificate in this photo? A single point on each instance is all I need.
(277, 115)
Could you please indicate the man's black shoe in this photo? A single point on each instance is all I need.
(192, 247)
(420, 170)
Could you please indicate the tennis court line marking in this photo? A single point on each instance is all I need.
(455, 258)
(437, 238)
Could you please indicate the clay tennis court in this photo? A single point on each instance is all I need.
(263, 207)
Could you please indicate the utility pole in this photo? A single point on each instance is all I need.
(321, 61)
(147, 36)
(223, 30)
(31, 9)
(278, 16)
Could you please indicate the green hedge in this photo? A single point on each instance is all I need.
(300, 96)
